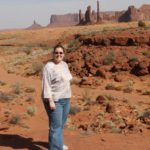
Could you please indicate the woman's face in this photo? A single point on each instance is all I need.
(58, 55)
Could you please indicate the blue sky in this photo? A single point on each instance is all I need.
(22, 13)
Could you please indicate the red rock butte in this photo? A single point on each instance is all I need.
(92, 16)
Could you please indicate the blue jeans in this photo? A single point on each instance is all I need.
(57, 119)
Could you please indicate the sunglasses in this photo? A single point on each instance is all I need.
(58, 53)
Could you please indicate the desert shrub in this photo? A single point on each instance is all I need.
(109, 58)
(134, 107)
(15, 119)
(29, 90)
(29, 99)
(119, 120)
(74, 110)
(87, 57)
(110, 86)
(2, 83)
(130, 83)
(43, 45)
(132, 61)
(35, 69)
(145, 53)
(27, 50)
(31, 110)
(124, 53)
(125, 100)
(17, 61)
(141, 24)
(108, 124)
(90, 102)
(87, 95)
(7, 113)
(116, 130)
(118, 88)
(5, 97)
(16, 88)
(110, 97)
(145, 116)
(128, 89)
(74, 44)
(146, 92)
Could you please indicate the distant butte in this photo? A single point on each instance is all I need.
(64, 20)
(34, 26)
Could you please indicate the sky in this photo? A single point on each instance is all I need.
(22, 13)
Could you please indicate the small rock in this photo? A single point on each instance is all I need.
(100, 99)
(110, 108)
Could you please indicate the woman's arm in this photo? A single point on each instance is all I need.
(46, 83)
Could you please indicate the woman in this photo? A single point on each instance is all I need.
(56, 93)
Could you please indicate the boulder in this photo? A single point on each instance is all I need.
(101, 99)
(101, 72)
(142, 68)
(110, 108)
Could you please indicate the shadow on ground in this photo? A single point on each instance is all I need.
(19, 142)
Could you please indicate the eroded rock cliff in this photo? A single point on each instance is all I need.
(64, 20)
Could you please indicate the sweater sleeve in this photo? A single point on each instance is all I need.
(68, 75)
(46, 83)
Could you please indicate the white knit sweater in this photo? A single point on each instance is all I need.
(56, 81)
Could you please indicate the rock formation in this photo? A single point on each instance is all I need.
(88, 15)
(92, 17)
(64, 20)
(34, 26)
(81, 18)
(134, 14)
(145, 9)
(98, 15)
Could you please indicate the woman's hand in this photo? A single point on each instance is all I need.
(52, 104)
